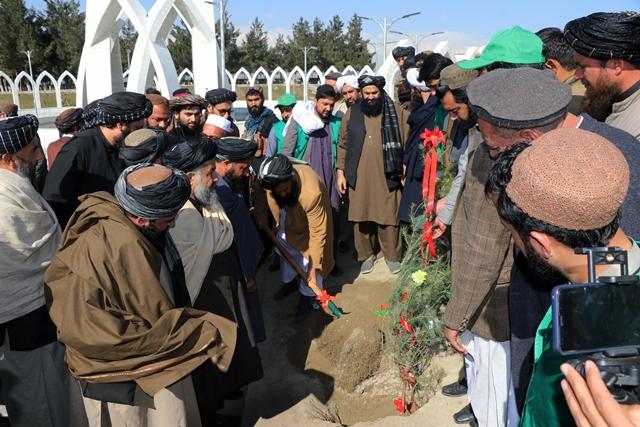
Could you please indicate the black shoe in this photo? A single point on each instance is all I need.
(275, 264)
(465, 416)
(285, 290)
(459, 388)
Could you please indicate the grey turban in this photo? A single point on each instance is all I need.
(157, 201)
(189, 155)
(149, 145)
(17, 132)
(367, 80)
(122, 107)
(275, 170)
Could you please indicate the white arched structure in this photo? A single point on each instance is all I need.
(100, 70)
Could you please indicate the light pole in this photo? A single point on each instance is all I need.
(385, 25)
(306, 50)
(417, 36)
(33, 88)
(375, 49)
(223, 74)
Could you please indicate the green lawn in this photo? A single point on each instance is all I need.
(47, 99)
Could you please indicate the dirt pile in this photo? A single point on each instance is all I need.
(323, 372)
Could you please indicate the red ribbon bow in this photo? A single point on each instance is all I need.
(324, 299)
(431, 138)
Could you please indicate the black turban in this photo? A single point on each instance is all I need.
(367, 80)
(235, 149)
(399, 52)
(190, 154)
(605, 35)
(69, 119)
(122, 107)
(89, 114)
(275, 170)
(216, 96)
(145, 151)
(157, 201)
(17, 132)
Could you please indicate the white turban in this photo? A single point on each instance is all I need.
(219, 121)
(350, 80)
(412, 79)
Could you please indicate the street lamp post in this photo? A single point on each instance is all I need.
(419, 36)
(375, 49)
(306, 50)
(385, 25)
(223, 74)
(33, 88)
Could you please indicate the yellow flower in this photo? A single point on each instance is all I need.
(419, 277)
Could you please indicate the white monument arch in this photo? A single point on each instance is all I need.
(100, 72)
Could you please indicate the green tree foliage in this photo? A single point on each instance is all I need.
(255, 48)
(64, 27)
(19, 34)
(356, 47)
(179, 46)
(127, 38)
(232, 54)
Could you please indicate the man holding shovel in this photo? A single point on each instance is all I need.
(299, 203)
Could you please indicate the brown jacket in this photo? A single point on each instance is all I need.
(481, 260)
(105, 294)
(309, 224)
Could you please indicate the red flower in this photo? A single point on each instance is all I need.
(383, 307)
(400, 406)
(405, 325)
(403, 297)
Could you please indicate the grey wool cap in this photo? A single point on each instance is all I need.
(519, 98)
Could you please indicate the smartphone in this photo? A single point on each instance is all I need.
(595, 317)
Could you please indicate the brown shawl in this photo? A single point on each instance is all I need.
(105, 295)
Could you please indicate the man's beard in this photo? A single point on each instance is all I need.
(255, 110)
(289, 200)
(206, 197)
(152, 233)
(195, 130)
(599, 98)
(26, 170)
(372, 108)
(541, 267)
(470, 122)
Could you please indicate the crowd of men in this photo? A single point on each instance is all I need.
(130, 256)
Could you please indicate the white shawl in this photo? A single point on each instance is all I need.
(198, 238)
(29, 239)
(305, 116)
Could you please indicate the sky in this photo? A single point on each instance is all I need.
(467, 22)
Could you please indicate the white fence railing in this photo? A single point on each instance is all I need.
(26, 91)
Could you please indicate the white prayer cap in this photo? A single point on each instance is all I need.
(219, 121)
(412, 79)
(350, 80)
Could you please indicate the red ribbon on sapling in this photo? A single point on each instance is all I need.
(431, 138)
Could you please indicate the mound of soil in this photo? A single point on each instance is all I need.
(321, 371)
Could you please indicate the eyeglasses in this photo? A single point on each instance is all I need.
(222, 111)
